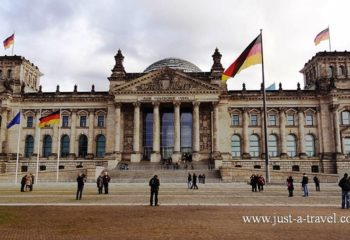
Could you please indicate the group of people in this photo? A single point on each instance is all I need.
(27, 182)
(257, 182)
(102, 182)
(304, 185)
(192, 180)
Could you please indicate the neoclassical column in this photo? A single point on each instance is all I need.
(3, 129)
(136, 156)
(215, 138)
(91, 136)
(319, 129)
(245, 134)
(177, 133)
(301, 123)
(196, 130)
(155, 156)
(117, 127)
(283, 134)
(336, 123)
(73, 126)
(37, 137)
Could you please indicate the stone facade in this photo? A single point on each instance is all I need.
(173, 109)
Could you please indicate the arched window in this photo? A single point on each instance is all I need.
(254, 145)
(83, 145)
(29, 146)
(272, 145)
(100, 146)
(9, 73)
(346, 143)
(341, 70)
(310, 145)
(47, 145)
(235, 146)
(64, 146)
(291, 145)
(345, 118)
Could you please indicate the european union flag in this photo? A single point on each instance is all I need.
(15, 120)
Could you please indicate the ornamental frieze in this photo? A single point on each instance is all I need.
(167, 82)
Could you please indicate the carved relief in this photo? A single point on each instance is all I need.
(128, 130)
(205, 130)
(166, 82)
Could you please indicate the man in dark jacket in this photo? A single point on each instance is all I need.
(304, 183)
(80, 180)
(344, 183)
(106, 179)
(23, 182)
(154, 184)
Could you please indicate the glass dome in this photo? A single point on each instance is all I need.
(174, 63)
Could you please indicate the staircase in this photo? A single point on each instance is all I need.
(144, 171)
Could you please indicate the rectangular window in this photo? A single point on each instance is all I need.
(82, 121)
(253, 120)
(345, 117)
(309, 120)
(235, 120)
(65, 121)
(290, 120)
(272, 120)
(29, 121)
(100, 121)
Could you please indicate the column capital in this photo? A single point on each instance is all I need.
(136, 104)
(177, 103)
(215, 104)
(334, 107)
(117, 104)
(156, 103)
(301, 109)
(73, 110)
(196, 104)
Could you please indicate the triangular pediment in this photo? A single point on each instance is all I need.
(165, 80)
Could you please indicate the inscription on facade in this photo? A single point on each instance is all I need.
(165, 98)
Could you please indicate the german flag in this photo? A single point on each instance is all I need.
(250, 56)
(9, 41)
(323, 35)
(51, 119)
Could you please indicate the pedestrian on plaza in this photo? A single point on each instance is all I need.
(203, 178)
(317, 183)
(189, 181)
(200, 178)
(154, 184)
(99, 183)
(23, 182)
(304, 182)
(106, 180)
(81, 179)
(32, 182)
(253, 182)
(261, 183)
(344, 184)
(28, 182)
(194, 181)
(290, 186)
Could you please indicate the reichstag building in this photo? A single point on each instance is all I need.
(174, 108)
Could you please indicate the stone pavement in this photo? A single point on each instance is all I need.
(170, 194)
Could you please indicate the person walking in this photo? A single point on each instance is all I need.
(80, 180)
(189, 181)
(99, 183)
(194, 181)
(106, 179)
(261, 183)
(23, 182)
(290, 186)
(154, 184)
(317, 183)
(254, 182)
(32, 182)
(304, 182)
(344, 184)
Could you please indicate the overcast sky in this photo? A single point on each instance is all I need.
(75, 41)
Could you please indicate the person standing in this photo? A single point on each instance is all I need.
(344, 183)
(31, 185)
(317, 183)
(194, 181)
(304, 182)
(106, 179)
(290, 186)
(189, 181)
(99, 183)
(23, 182)
(80, 180)
(154, 184)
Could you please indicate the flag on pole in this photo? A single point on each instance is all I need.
(9, 41)
(51, 119)
(323, 35)
(15, 120)
(250, 56)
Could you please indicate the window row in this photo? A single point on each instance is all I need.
(66, 121)
(254, 145)
(273, 120)
(64, 146)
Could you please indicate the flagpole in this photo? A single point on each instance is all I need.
(13, 45)
(38, 154)
(18, 142)
(58, 149)
(329, 39)
(265, 114)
